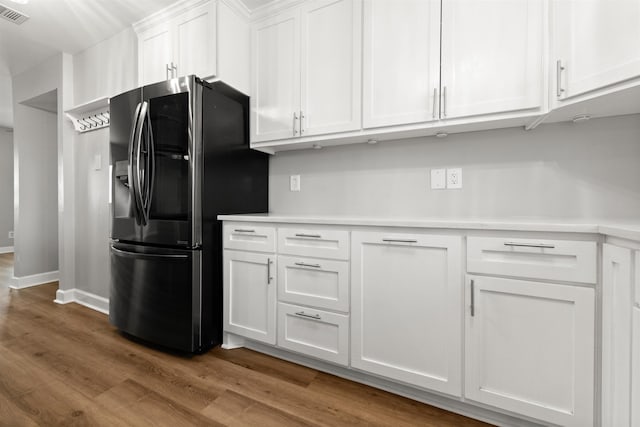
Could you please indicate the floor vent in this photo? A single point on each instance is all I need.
(12, 15)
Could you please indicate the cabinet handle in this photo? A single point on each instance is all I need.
(559, 70)
(175, 68)
(302, 264)
(435, 101)
(399, 240)
(309, 316)
(315, 236)
(295, 119)
(530, 245)
(302, 116)
(168, 70)
(242, 230)
(473, 299)
(444, 101)
(269, 278)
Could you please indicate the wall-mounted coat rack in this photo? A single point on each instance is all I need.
(90, 116)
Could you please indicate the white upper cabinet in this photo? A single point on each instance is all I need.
(492, 56)
(401, 62)
(306, 67)
(275, 76)
(597, 43)
(177, 43)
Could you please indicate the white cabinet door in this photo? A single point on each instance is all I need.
(597, 43)
(406, 308)
(155, 54)
(492, 56)
(330, 66)
(195, 32)
(275, 77)
(617, 303)
(401, 62)
(249, 281)
(530, 349)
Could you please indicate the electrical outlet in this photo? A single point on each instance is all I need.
(11, 234)
(294, 183)
(438, 179)
(454, 178)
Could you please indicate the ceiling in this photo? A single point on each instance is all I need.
(69, 26)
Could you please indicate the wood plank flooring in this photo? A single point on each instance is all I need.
(65, 365)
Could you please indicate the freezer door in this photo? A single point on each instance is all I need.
(157, 295)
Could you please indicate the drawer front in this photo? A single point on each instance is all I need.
(564, 260)
(313, 332)
(314, 242)
(245, 236)
(319, 283)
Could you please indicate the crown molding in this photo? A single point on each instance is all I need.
(164, 14)
(238, 7)
(272, 8)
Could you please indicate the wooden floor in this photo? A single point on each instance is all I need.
(65, 365)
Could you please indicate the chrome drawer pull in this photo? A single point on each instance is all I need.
(302, 264)
(310, 316)
(400, 240)
(530, 245)
(473, 299)
(269, 278)
(315, 236)
(241, 230)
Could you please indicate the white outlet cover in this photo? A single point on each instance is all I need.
(294, 183)
(438, 179)
(454, 178)
(11, 234)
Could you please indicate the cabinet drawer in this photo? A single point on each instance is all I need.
(249, 237)
(564, 260)
(319, 283)
(314, 242)
(314, 332)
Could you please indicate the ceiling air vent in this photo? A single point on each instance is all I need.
(12, 15)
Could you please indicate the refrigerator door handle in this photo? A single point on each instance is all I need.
(132, 170)
(138, 178)
(128, 254)
(151, 156)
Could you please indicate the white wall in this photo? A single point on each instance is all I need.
(587, 171)
(43, 173)
(6, 102)
(106, 69)
(6, 187)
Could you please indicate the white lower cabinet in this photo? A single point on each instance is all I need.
(530, 349)
(635, 369)
(406, 308)
(249, 281)
(316, 333)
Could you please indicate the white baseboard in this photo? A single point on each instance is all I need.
(6, 250)
(92, 301)
(33, 280)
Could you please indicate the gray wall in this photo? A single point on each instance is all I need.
(587, 171)
(6, 187)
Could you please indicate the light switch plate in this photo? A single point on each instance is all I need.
(11, 234)
(438, 179)
(294, 183)
(454, 178)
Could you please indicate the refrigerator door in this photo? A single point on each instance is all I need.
(125, 210)
(156, 295)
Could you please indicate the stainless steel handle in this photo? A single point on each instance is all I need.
(243, 230)
(302, 117)
(138, 177)
(444, 101)
(473, 299)
(559, 70)
(151, 163)
(175, 68)
(269, 278)
(309, 316)
(530, 245)
(315, 236)
(168, 70)
(400, 240)
(303, 264)
(132, 148)
(435, 101)
(295, 120)
(128, 254)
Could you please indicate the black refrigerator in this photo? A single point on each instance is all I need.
(179, 157)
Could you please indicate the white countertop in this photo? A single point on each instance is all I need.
(625, 231)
